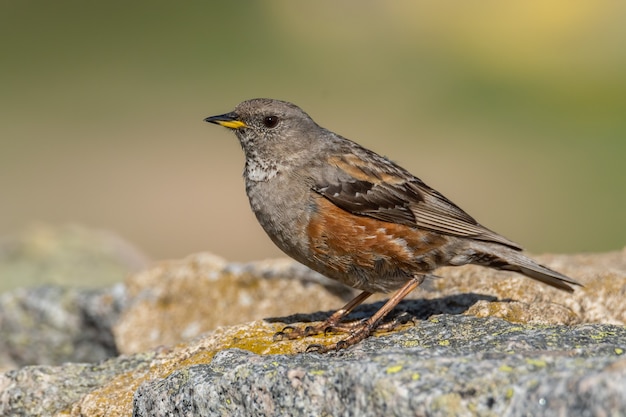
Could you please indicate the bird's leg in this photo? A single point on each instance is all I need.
(364, 329)
(330, 323)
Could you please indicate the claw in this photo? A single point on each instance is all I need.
(342, 344)
(314, 348)
(404, 318)
(308, 331)
(284, 333)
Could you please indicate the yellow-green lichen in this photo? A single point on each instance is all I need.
(602, 335)
(394, 369)
(505, 368)
(536, 362)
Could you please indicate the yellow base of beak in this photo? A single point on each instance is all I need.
(232, 124)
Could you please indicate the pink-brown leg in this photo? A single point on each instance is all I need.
(365, 329)
(332, 322)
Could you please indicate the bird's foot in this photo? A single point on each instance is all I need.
(358, 331)
(325, 327)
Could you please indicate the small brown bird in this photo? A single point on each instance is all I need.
(355, 216)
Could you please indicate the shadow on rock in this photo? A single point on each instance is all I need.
(409, 309)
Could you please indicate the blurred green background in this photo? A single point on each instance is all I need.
(514, 110)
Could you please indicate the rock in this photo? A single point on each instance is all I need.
(52, 325)
(171, 302)
(556, 354)
(449, 365)
(522, 300)
(52, 390)
(178, 300)
(69, 318)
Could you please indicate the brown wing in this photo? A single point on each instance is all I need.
(382, 190)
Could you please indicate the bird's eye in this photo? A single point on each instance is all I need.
(270, 121)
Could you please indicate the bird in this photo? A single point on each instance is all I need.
(355, 216)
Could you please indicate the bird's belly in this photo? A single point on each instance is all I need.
(369, 254)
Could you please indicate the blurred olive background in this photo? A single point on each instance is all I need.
(514, 110)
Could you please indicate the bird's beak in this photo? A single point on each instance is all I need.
(229, 120)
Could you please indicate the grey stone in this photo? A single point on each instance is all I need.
(178, 300)
(49, 390)
(448, 365)
(556, 353)
(51, 325)
(175, 301)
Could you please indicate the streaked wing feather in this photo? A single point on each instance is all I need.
(396, 196)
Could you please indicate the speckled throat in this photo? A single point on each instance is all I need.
(258, 168)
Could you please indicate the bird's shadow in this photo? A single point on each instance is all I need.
(414, 309)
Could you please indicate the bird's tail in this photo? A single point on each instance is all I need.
(505, 258)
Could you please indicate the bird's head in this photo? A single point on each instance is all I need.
(272, 129)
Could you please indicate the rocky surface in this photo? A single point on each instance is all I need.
(554, 352)
(448, 365)
(181, 299)
(178, 300)
(51, 325)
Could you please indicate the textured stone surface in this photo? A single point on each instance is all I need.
(178, 300)
(52, 325)
(449, 365)
(446, 362)
(53, 390)
(523, 300)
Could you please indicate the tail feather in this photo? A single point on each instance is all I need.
(501, 257)
(547, 276)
